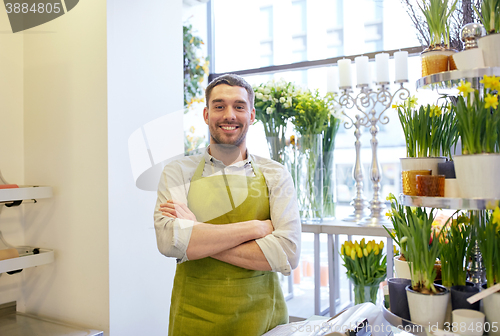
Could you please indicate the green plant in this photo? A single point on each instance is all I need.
(195, 68)
(437, 14)
(488, 227)
(429, 130)
(366, 265)
(413, 232)
(455, 240)
(478, 117)
(312, 113)
(490, 15)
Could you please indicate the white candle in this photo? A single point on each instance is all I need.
(344, 66)
(362, 70)
(401, 61)
(331, 79)
(382, 65)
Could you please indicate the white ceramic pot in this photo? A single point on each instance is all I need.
(422, 163)
(451, 188)
(469, 59)
(401, 268)
(477, 175)
(428, 310)
(490, 45)
(491, 305)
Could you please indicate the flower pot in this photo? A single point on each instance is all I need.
(451, 188)
(477, 175)
(402, 268)
(490, 45)
(468, 322)
(438, 60)
(309, 176)
(469, 59)
(459, 295)
(491, 305)
(428, 309)
(422, 163)
(447, 169)
(397, 297)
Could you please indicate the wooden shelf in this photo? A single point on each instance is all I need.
(25, 193)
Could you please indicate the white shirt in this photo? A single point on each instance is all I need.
(281, 248)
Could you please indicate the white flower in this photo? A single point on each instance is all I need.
(289, 100)
(276, 100)
(282, 100)
(265, 98)
(286, 105)
(269, 110)
(259, 95)
(267, 91)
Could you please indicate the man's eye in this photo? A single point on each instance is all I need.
(219, 107)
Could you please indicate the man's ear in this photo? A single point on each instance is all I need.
(252, 115)
(205, 114)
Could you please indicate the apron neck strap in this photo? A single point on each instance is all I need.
(201, 166)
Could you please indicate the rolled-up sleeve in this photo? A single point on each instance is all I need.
(172, 235)
(282, 247)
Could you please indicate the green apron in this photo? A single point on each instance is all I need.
(211, 297)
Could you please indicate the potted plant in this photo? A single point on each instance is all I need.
(366, 267)
(329, 134)
(310, 120)
(490, 44)
(430, 131)
(436, 58)
(478, 121)
(397, 216)
(275, 103)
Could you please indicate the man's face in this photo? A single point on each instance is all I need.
(228, 115)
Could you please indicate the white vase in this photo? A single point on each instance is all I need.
(422, 163)
(469, 59)
(401, 268)
(426, 309)
(491, 305)
(477, 175)
(451, 188)
(490, 45)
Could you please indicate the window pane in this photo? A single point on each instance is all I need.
(328, 28)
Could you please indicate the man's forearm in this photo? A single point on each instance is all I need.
(247, 255)
(209, 239)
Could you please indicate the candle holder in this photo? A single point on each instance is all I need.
(369, 100)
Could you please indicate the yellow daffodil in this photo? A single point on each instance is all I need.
(492, 205)
(496, 216)
(465, 88)
(435, 111)
(395, 250)
(491, 101)
(292, 140)
(412, 101)
(489, 82)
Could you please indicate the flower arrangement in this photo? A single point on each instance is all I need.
(414, 233)
(437, 14)
(489, 16)
(455, 240)
(429, 130)
(478, 116)
(366, 265)
(195, 68)
(312, 113)
(488, 224)
(275, 103)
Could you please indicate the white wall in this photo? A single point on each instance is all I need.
(65, 132)
(144, 83)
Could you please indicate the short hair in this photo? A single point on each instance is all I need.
(231, 80)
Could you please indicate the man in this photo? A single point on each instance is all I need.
(231, 219)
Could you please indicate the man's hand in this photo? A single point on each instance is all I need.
(175, 209)
(266, 227)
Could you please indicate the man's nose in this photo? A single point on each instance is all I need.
(230, 113)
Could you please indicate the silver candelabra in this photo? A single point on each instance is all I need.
(366, 102)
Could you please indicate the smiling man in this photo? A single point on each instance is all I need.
(231, 219)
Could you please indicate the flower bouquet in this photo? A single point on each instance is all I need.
(366, 267)
(310, 120)
(275, 103)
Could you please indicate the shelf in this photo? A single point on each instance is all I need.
(24, 193)
(448, 203)
(451, 79)
(44, 257)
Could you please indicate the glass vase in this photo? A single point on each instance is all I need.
(309, 176)
(329, 195)
(364, 293)
(278, 149)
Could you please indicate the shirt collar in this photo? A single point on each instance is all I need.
(211, 160)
